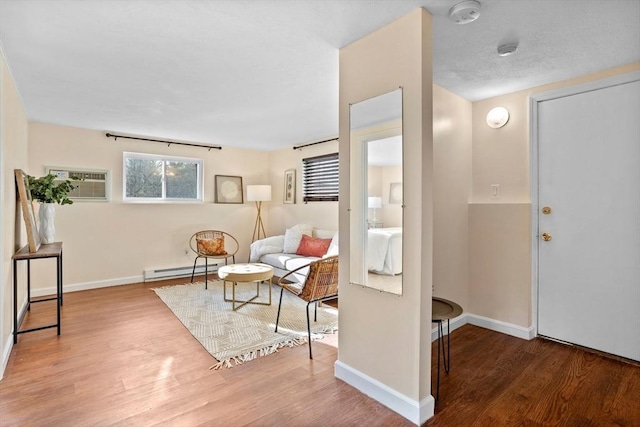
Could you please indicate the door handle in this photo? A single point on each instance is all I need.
(546, 236)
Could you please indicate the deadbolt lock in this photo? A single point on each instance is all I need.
(546, 210)
(546, 237)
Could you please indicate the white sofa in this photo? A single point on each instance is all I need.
(279, 251)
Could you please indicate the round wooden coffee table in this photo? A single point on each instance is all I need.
(245, 273)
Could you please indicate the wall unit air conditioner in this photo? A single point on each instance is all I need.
(94, 184)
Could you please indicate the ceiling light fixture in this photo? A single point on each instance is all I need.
(465, 12)
(507, 49)
(497, 117)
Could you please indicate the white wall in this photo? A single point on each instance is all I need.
(115, 242)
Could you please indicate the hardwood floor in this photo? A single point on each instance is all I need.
(499, 380)
(124, 359)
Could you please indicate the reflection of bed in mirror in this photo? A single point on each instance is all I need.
(384, 250)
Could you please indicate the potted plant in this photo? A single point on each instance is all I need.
(46, 191)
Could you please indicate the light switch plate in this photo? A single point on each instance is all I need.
(495, 191)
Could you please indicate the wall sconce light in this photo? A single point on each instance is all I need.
(497, 117)
(258, 194)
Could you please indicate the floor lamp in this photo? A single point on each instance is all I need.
(258, 194)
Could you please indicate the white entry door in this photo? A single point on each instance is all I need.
(589, 212)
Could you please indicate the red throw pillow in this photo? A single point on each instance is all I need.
(313, 246)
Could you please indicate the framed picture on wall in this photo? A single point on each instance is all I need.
(395, 193)
(290, 186)
(26, 205)
(228, 189)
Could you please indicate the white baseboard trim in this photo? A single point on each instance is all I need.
(487, 323)
(502, 327)
(8, 346)
(420, 412)
(88, 285)
(454, 324)
(416, 412)
(22, 309)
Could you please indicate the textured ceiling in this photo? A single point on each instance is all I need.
(263, 74)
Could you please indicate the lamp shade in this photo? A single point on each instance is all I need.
(258, 193)
(375, 202)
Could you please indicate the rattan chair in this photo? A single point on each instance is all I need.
(321, 284)
(201, 241)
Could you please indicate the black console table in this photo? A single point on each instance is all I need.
(52, 250)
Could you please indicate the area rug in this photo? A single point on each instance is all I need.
(235, 337)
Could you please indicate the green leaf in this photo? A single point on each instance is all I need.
(46, 190)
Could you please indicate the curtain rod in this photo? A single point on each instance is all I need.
(216, 147)
(300, 147)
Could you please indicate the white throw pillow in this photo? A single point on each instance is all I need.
(293, 235)
(333, 247)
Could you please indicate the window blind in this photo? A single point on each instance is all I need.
(320, 178)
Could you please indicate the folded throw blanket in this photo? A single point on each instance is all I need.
(269, 245)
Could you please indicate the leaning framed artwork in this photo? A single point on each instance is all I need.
(290, 186)
(26, 205)
(228, 189)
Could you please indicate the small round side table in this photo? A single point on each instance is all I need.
(441, 310)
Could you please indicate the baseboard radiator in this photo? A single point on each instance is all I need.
(171, 273)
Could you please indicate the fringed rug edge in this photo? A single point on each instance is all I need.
(232, 361)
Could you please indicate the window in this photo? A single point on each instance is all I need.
(320, 178)
(149, 177)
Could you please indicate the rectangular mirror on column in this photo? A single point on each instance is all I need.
(376, 192)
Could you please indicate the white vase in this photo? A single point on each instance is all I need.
(47, 214)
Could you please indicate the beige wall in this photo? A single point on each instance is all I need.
(117, 241)
(391, 213)
(500, 262)
(374, 189)
(501, 156)
(379, 178)
(13, 155)
(382, 336)
(281, 216)
(452, 191)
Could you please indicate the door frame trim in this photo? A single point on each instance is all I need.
(534, 100)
